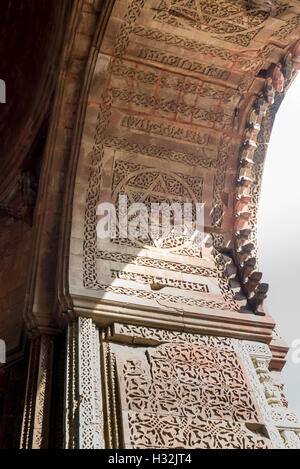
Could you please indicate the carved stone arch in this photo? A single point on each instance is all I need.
(174, 91)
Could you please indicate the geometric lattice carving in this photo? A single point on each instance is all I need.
(211, 386)
(175, 385)
(156, 263)
(188, 396)
(144, 185)
(151, 431)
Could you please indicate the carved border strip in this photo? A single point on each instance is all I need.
(287, 28)
(159, 281)
(71, 421)
(90, 235)
(164, 297)
(188, 44)
(84, 423)
(155, 151)
(126, 258)
(30, 396)
(144, 335)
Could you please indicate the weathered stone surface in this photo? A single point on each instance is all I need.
(162, 101)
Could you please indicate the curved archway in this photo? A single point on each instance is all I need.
(279, 228)
(178, 88)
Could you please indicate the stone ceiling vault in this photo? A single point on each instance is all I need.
(175, 80)
(173, 88)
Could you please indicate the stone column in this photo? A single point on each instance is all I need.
(36, 417)
(83, 426)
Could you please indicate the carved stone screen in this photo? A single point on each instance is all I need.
(186, 396)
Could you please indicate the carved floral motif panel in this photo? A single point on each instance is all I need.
(167, 103)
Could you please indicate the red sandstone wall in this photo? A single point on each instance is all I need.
(15, 243)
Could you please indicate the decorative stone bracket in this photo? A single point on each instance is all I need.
(244, 248)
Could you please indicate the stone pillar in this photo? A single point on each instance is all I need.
(36, 417)
(84, 428)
